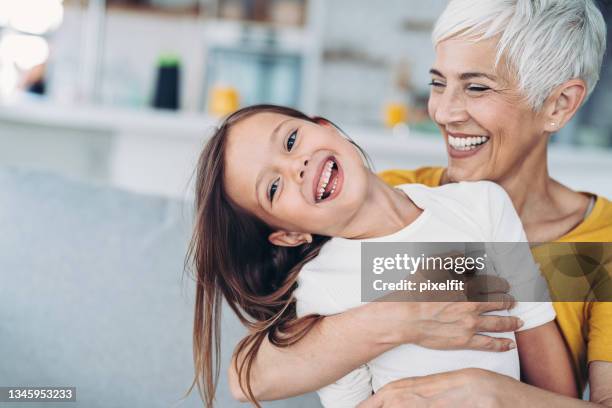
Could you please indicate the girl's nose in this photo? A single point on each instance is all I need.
(303, 169)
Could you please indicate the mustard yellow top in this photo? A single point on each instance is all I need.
(586, 326)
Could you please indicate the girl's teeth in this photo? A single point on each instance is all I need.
(324, 180)
(325, 175)
(334, 186)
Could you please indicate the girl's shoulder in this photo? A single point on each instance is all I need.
(462, 196)
(330, 283)
(474, 206)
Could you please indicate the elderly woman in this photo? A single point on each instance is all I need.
(507, 75)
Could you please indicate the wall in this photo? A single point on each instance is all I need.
(355, 92)
(349, 91)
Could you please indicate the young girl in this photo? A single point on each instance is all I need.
(273, 186)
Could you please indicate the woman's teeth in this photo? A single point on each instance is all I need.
(324, 180)
(467, 143)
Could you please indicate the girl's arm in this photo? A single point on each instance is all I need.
(545, 360)
(340, 343)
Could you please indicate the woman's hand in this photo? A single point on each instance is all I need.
(469, 387)
(444, 326)
(462, 388)
(447, 325)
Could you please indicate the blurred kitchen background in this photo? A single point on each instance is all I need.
(125, 92)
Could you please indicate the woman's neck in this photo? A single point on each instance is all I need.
(386, 210)
(548, 209)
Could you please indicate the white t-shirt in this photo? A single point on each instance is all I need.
(459, 212)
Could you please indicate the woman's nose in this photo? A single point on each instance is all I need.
(449, 108)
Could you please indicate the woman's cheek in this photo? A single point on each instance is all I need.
(431, 105)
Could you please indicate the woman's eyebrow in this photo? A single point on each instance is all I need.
(466, 75)
(471, 75)
(434, 71)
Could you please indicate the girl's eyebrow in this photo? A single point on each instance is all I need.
(275, 133)
(273, 140)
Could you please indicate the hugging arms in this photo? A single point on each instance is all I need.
(497, 95)
(340, 343)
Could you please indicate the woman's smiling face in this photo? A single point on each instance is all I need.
(488, 126)
(294, 175)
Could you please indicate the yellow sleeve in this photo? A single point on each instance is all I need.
(600, 329)
(430, 176)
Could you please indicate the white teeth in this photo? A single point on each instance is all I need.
(466, 143)
(324, 179)
(334, 187)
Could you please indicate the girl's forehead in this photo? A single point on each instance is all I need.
(255, 132)
(258, 121)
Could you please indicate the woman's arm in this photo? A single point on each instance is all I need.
(343, 342)
(600, 380)
(471, 387)
(545, 360)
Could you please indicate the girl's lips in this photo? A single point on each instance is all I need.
(336, 178)
(317, 176)
(339, 184)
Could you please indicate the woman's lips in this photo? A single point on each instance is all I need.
(462, 145)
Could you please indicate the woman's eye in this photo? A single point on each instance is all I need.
(273, 189)
(478, 88)
(291, 140)
(436, 83)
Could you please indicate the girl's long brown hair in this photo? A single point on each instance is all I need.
(233, 259)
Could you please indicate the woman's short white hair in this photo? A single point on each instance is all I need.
(545, 42)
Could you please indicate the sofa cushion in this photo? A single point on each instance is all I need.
(92, 294)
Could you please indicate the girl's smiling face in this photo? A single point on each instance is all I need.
(296, 176)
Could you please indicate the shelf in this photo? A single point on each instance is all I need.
(156, 10)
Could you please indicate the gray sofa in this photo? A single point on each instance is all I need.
(92, 295)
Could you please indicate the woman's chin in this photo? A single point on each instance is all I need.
(469, 167)
(457, 172)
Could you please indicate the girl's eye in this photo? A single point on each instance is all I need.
(291, 140)
(273, 189)
(436, 83)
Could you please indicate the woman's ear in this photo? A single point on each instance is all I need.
(563, 104)
(289, 239)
